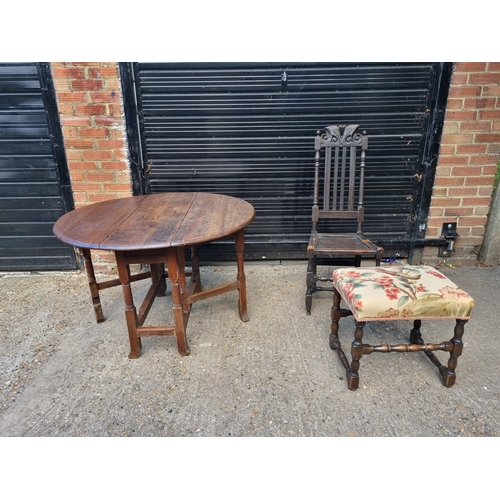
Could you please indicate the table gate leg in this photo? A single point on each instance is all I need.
(94, 289)
(177, 276)
(157, 275)
(195, 270)
(130, 310)
(181, 266)
(242, 301)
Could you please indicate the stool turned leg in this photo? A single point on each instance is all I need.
(449, 375)
(310, 282)
(416, 338)
(334, 335)
(357, 353)
(415, 335)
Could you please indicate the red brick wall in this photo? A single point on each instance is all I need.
(467, 161)
(90, 106)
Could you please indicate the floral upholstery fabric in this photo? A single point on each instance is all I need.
(401, 292)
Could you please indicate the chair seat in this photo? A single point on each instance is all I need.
(401, 292)
(332, 244)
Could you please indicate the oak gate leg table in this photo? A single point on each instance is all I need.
(155, 229)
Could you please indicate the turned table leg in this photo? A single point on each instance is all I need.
(241, 278)
(195, 270)
(94, 289)
(178, 282)
(130, 310)
(157, 275)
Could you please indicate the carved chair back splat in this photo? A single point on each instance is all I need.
(339, 175)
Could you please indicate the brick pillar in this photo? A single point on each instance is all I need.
(90, 106)
(467, 161)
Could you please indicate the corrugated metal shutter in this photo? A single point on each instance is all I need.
(31, 197)
(247, 130)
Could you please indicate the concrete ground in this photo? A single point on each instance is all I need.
(62, 374)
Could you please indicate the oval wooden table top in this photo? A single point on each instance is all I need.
(154, 221)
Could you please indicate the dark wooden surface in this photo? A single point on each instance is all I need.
(154, 221)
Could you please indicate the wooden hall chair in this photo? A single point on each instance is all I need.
(398, 293)
(336, 188)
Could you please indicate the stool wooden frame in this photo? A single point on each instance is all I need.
(417, 344)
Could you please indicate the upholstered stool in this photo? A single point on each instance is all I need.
(398, 293)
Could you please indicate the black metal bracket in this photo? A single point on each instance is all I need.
(449, 230)
(449, 233)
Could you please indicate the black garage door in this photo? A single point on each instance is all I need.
(34, 183)
(247, 130)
